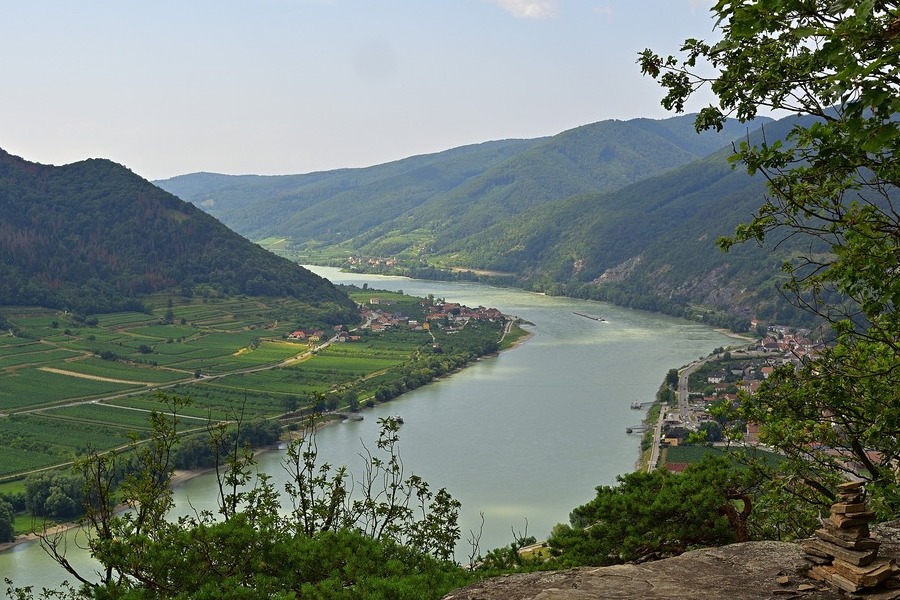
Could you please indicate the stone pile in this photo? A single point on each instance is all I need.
(845, 553)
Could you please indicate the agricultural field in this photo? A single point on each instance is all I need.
(68, 382)
(30, 388)
(375, 348)
(38, 354)
(35, 440)
(136, 373)
(112, 416)
(163, 332)
(125, 319)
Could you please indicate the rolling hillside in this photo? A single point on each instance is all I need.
(94, 237)
(429, 202)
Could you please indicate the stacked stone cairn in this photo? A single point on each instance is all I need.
(845, 553)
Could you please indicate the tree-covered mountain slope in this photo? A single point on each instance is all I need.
(425, 203)
(328, 205)
(651, 244)
(92, 236)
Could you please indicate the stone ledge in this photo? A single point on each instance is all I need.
(746, 571)
(751, 570)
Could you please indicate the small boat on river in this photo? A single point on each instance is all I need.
(591, 317)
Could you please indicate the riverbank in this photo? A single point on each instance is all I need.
(518, 337)
(523, 435)
(33, 537)
(182, 476)
(179, 477)
(738, 336)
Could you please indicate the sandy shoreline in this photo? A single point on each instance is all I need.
(178, 478)
(744, 337)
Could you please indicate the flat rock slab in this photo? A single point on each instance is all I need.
(739, 571)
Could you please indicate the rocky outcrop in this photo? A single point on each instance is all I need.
(751, 570)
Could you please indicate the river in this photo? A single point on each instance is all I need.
(522, 437)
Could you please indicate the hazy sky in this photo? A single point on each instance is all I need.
(168, 87)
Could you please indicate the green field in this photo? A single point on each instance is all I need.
(163, 332)
(31, 388)
(695, 453)
(43, 355)
(16, 460)
(68, 383)
(195, 410)
(10, 346)
(137, 373)
(36, 440)
(113, 416)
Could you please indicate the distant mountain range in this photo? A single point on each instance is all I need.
(94, 237)
(441, 198)
(625, 211)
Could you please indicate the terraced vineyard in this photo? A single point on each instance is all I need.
(68, 383)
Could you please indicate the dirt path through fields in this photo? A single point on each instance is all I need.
(94, 377)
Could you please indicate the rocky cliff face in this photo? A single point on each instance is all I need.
(746, 571)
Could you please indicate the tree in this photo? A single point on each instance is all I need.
(392, 538)
(657, 514)
(672, 378)
(711, 431)
(169, 315)
(832, 182)
(54, 494)
(138, 479)
(7, 522)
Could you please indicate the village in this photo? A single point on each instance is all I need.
(718, 380)
(379, 315)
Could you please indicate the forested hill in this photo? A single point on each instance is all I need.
(433, 200)
(650, 244)
(92, 237)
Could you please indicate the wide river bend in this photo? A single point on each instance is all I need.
(523, 437)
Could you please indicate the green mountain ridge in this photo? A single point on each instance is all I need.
(651, 244)
(261, 206)
(626, 211)
(94, 237)
(432, 200)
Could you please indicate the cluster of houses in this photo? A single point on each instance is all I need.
(794, 345)
(457, 314)
(314, 336)
(356, 261)
(450, 316)
(379, 319)
(744, 372)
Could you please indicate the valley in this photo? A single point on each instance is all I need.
(156, 315)
(628, 212)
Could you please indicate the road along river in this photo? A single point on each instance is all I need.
(523, 437)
